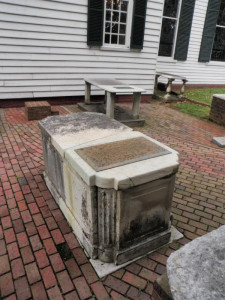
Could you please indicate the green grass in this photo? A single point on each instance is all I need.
(200, 112)
(203, 95)
(199, 95)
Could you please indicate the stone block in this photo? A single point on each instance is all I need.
(217, 112)
(37, 110)
(219, 141)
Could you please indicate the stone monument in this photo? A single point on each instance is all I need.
(114, 185)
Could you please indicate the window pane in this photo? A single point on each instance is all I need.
(107, 39)
(123, 18)
(170, 8)
(122, 29)
(122, 39)
(107, 27)
(218, 52)
(115, 17)
(221, 17)
(114, 39)
(115, 28)
(167, 37)
(109, 3)
(116, 4)
(108, 15)
(124, 5)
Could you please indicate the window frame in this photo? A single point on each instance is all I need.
(213, 60)
(128, 29)
(171, 57)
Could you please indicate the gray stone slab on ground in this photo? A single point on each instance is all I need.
(197, 271)
(219, 141)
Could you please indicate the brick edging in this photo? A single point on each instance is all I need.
(10, 103)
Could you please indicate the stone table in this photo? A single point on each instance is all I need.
(111, 87)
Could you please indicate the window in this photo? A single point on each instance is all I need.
(117, 22)
(218, 50)
(169, 27)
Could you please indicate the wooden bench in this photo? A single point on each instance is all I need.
(111, 88)
(37, 110)
(171, 78)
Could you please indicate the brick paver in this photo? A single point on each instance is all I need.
(33, 229)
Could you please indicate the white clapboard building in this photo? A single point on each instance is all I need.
(47, 47)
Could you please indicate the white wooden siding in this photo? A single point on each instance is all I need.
(44, 50)
(196, 73)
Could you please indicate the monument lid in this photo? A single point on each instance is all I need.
(70, 130)
(118, 153)
(127, 175)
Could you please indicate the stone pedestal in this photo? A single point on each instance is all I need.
(217, 113)
(114, 185)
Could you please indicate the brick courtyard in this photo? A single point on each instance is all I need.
(40, 257)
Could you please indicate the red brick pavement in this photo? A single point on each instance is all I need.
(33, 230)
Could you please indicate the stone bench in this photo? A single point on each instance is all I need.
(170, 78)
(38, 110)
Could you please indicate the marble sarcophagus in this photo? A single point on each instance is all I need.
(114, 185)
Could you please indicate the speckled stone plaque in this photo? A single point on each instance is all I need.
(115, 154)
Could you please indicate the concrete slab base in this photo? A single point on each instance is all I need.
(103, 269)
(219, 141)
(121, 114)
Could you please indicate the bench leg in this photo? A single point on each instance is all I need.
(110, 105)
(136, 105)
(167, 97)
(105, 99)
(87, 98)
(182, 88)
(156, 82)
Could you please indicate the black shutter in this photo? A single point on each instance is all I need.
(184, 29)
(138, 26)
(209, 30)
(95, 22)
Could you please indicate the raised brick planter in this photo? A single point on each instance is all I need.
(38, 110)
(217, 113)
